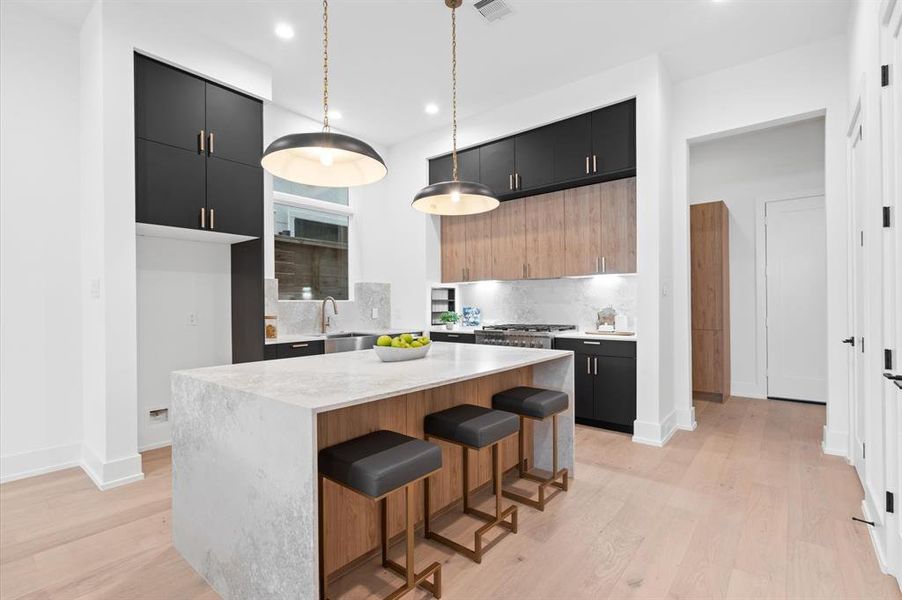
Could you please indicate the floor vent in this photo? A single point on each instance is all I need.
(492, 10)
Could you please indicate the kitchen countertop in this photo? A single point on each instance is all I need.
(582, 335)
(329, 381)
(312, 337)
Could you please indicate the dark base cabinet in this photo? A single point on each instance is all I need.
(451, 336)
(605, 382)
(293, 349)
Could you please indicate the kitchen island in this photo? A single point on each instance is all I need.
(245, 439)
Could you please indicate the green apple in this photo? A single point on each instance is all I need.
(406, 337)
(423, 341)
(397, 343)
(383, 340)
(416, 344)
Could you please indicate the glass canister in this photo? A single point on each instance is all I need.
(271, 326)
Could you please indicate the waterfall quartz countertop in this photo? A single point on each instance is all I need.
(329, 381)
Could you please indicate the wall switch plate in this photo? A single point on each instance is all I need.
(95, 289)
(192, 319)
(375, 313)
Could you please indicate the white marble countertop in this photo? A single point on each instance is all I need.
(329, 381)
(582, 335)
(312, 337)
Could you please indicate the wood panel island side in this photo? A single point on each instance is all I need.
(245, 441)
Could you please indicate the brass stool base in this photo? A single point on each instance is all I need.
(496, 520)
(544, 482)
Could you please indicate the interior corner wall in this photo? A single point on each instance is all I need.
(403, 246)
(741, 170)
(111, 34)
(785, 87)
(40, 298)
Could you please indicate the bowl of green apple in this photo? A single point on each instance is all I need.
(402, 347)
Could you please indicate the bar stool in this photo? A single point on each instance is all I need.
(470, 426)
(374, 465)
(536, 404)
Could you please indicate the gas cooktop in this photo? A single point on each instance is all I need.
(528, 327)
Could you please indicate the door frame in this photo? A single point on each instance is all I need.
(761, 379)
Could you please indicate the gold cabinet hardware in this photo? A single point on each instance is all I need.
(299, 345)
(588, 365)
(594, 164)
(596, 264)
(200, 142)
(587, 165)
(603, 266)
(516, 181)
(596, 365)
(510, 182)
(210, 143)
(212, 218)
(203, 218)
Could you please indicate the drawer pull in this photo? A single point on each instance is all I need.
(592, 343)
(452, 335)
(299, 345)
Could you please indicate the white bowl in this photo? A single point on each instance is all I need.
(389, 354)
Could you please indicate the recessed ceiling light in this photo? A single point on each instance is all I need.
(431, 108)
(335, 114)
(285, 31)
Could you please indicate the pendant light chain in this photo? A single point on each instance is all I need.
(326, 65)
(454, 174)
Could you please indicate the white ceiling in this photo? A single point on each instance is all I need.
(388, 58)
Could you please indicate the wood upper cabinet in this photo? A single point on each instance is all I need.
(479, 246)
(545, 236)
(509, 240)
(535, 159)
(454, 249)
(497, 164)
(582, 222)
(618, 226)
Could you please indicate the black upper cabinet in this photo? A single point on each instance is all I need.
(497, 164)
(535, 159)
(234, 125)
(614, 138)
(233, 197)
(440, 169)
(197, 155)
(572, 148)
(169, 104)
(170, 185)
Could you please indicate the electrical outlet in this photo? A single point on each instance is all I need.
(192, 319)
(159, 415)
(375, 313)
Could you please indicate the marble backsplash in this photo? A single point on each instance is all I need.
(305, 316)
(567, 301)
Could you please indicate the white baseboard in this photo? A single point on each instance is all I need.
(39, 462)
(881, 556)
(111, 474)
(685, 419)
(655, 434)
(155, 445)
(835, 443)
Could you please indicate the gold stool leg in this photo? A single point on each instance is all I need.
(408, 571)
(544, 482)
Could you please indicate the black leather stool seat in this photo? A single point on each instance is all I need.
(379, 462)
(530, 402)
(471, 425)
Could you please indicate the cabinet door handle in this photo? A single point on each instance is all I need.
(516, 181)
(594, 164)
(510, 182)
(596, 365)
(524, 270)
(454, 335)
(592, 343)
(212, 218)
(596, 264)
(527, 270)
(210, 143)
(203, 218)
(200, 142)
(588, 366)
(587, 165)
(299, 345)
(604, 268)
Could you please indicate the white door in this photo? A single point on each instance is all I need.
(858, 296)
(796, 271)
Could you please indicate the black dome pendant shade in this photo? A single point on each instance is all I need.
(455, 197)
(324, 158)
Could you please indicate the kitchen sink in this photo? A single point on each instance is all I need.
(348, 342)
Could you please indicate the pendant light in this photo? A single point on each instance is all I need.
(454, 197)
(324, 158)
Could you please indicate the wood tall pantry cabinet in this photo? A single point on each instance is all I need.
(709, 226)
(580, 231)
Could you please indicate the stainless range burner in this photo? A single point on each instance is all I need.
(520, 335)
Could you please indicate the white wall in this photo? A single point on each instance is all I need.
(785, 87)
(40, 324)
(740, 170)
(402, 245)
(176, 279)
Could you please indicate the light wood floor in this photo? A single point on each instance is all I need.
(746, 506)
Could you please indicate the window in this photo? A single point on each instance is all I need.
(310, 231)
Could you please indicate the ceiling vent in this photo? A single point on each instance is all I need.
(492, 10)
